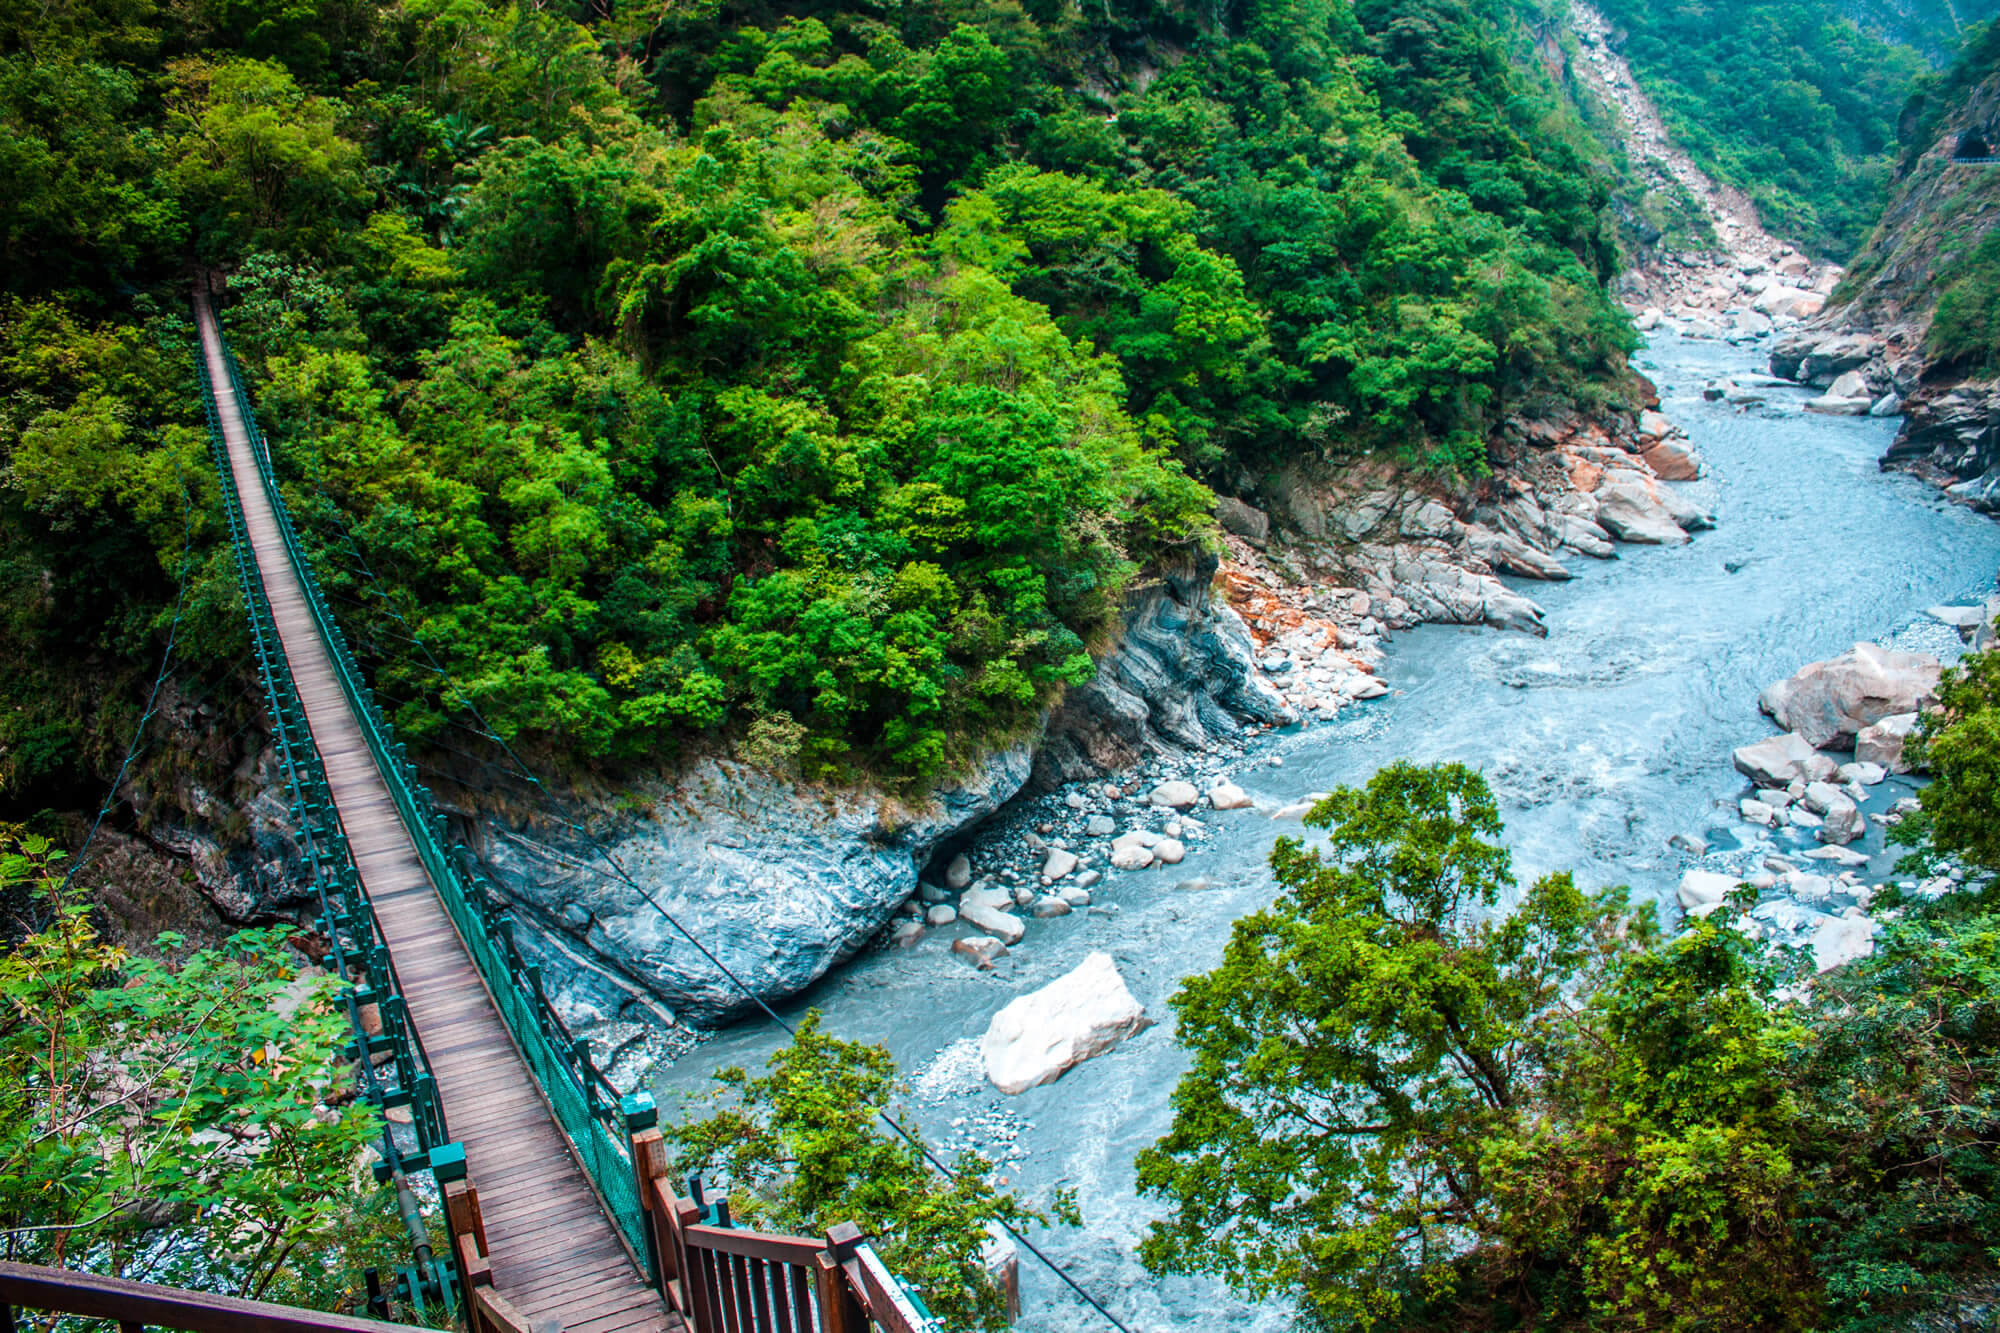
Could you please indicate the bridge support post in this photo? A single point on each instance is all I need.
(649, 1164)
(840, 1310)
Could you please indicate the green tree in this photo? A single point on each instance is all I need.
(1362, 1044)
(181, 1119)
(1958, 742)
(801, 1152)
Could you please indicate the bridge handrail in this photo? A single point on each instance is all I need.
(585, 1103)
(356, 947)
(138, 1305)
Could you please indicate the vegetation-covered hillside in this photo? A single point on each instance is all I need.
(1789, 101)
(825, 369)
(1934, 256)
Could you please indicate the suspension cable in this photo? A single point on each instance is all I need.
(152, 697)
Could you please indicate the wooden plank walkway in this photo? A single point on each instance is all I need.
(555, 1254)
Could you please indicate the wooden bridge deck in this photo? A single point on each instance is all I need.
(555, 1254)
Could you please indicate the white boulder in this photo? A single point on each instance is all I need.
(1883, 742)
(1702, 891)
(1175, 795)
(1229, 796)
(1777, 761)
(1830, 702)
(1059, 864)
(1041, 1035)
(1843, 939)
(987, 909)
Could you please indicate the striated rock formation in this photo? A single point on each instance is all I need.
(1182, 676)
(779, 884)
(1878, 326)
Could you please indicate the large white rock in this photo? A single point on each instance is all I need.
(1702, 891)
(1175, 795)
(1632, 510)
(1776, 762)
(1229, 796)
(1060, 863)
(1883, 742)
(1842, 939)
(987, 909)
(1041, 1035)
(1839, 407)
(1830, 702)
(1862, 773)
(1843, 823)
(1131, 856)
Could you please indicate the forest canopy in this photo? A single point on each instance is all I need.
(829, 369)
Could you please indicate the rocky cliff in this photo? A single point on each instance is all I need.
(1874, 341)
(781, 882)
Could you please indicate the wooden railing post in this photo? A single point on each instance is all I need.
(649, 1164)
(840, 1310)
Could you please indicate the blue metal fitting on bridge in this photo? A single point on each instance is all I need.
(639, 1110)
(447, 1162)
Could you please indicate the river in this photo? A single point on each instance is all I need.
(1602, 741)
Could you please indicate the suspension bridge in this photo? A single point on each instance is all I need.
(559, 1214)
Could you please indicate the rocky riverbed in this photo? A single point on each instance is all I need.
(1607, 740)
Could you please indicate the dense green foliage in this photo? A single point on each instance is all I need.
(800, 1151)
(1786, 99)
(1957, 252)
(1411, 1111)
(825, 368)
(180, 1120)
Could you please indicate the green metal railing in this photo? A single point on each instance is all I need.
(356, 948)
(586, 1105)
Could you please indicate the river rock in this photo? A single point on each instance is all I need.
(1131, 856)
(958, 874)
(1778, 761)
(1853, 384)
(1830, 406)
(1800, 817)
(1042, 1035)
(1829, 703)
(941, 915)
(982, 950)
(905, 934)
(1075, 897)
(1251, 524)
(1889, 404)
(1085, 881)
(1174, 795)
(1702, 891)
(1051, 905)
(1100, 826)
(1672, 461)
(1059, 864)
(1883, 742)
(1510, 555)
(1170, 851)
(1862, 773)
(1758, 812)
(987, 909)
(1843, 823)
(1631, 511)
(1229, 796)
(1821, 797)
(1843, 939)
